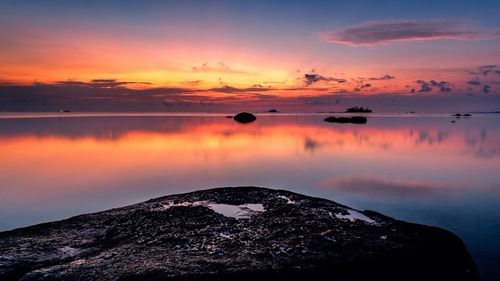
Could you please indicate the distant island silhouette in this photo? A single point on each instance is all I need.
(357, 109)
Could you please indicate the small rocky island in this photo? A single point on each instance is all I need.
(241, 233)
(244, 117)
(352, 120)
(357, 109)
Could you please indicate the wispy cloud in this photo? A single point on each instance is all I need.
(312, 78)
(97, 83)
(383, 33)
(484, 70)
(385, 77)
(193, 83)
(104, 94)
(229, 89)
(474, 82)
(95, 95)
(274, 82)
(361, 82)
(219, 67)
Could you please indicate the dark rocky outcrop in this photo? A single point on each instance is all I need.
(245, 117)
(353, 120)
(272, 110)
(243, 233)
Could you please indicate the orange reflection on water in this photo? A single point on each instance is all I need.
(222, 152)
(425, 170)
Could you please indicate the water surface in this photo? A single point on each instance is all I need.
(419, 168)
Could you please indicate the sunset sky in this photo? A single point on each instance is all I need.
(222, 55)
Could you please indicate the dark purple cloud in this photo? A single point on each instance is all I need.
(380, 33)
(486, 89)
(97, 83)
(484, 70)
(113, 95)
(474, 82)
(229, 90)
(427, 86)
(86, 96)
(311, 78)
(305, 88)
(424, 86)
(361, 81)
(361, 87)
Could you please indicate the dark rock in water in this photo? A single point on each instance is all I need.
(242, 233)
(467, 115)
(229, 116)
(354, 119)
(245, 117)
(272, 111)
(457, 115)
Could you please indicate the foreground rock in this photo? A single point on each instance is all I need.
(243, 233)
(353, 120)
(245, 117)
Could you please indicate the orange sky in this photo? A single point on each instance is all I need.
(222, 49)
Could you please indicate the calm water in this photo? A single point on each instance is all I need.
(423, 169)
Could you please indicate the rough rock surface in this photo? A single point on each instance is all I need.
(241, 233)
(245, 117)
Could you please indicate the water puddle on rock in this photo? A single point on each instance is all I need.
(244, 211)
